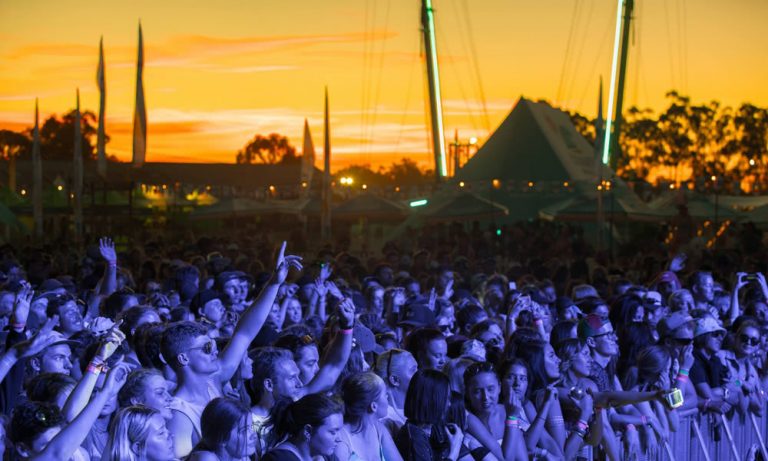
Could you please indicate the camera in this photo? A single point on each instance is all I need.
(674, 398)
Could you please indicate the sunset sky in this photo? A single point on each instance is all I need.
(216, 76)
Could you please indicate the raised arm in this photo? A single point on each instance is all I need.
(338, 351)
(28, 348)
(254, 317)
(108, 282)
(64, 444)
(81, 394)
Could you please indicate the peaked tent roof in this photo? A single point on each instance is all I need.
(371, 206)
(535, 143)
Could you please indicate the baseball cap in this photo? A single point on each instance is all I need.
(417, 315)
(593, 325)
(706, 325)
(203, 297)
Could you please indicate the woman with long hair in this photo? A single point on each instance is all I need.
(226, 432)
(364, 438)
(138, 433)
(425, 436)
(306, 428)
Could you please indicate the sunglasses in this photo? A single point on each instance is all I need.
(610, 333)
(750, 340)
(207, 348)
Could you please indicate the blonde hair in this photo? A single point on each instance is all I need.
(129, 426)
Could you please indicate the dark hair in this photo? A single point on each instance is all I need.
(178, 338)
(634, 338)
(532, 352)
(469, 316)
(219, 417)
(265, 360)
(130, 318)
(519, 337)
(56, 302)
(30, 419)
(115, 303)
(623, 309)
(295, 344)
(561, 331)
(45, 387)
(651, 361)
(134, 385)
(418, 340)
(290, 417)
(359, 391)
(425, 401)
(147, 344)
(589, 304)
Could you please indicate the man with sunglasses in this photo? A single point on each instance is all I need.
(200, 371)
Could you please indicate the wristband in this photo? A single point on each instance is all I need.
(683, 372)
(94, 368)
(511, 423)
(644, 420)
(583, 425)
(630, 427)
(512, 418)
(347, 331)
(682, 378)
(538, 322)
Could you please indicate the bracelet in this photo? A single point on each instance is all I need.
(630, 427)
(644, 420)
(512, 423)
(583, 425)
(113, 264)
(94, 368)
(538, 322)
(683, 371)
(580, 432)
(347, 331)
(557, 421)
(682, 378)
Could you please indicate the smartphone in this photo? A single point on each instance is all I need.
(512, 286)
(674, 398)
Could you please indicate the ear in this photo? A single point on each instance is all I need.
(182, 359)
(307, 431)
(134, 401)
(136, 448)
(372, 407)
(591, 342)
(34, 362)
(268, 385)
(394, 381)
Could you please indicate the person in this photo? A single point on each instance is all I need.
(426, 436)
(138, 433)
(147, 387)
(227, 432)
(201, 372)
(428, 347)
(363, 437)
(305, 429)
(39, 430)
(482, 390)
(703, 291)
(742, 365)
(708, 373)
(396, 367)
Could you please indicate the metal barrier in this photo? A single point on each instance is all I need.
(703, 437)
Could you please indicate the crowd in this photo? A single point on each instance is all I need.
(451, 344)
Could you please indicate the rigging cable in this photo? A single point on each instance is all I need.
(380, 72)
(583, 44)
(563, 71)
(476, 66)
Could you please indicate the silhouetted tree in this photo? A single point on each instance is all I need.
(271, 149)
(57, 136)
(13, 144)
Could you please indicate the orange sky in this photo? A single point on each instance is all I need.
(214, 77)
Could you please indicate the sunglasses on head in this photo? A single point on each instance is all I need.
(749, 340)
(479, 367)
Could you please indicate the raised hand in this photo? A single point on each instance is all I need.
(116, 377)
(513, 405)
(110, 343)
(284, 264)
(678, 262)
(346, 313)
(334, 290)
(107, 250)
(21, 304)
(432, 300)
(448, 293)
(39, 341)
